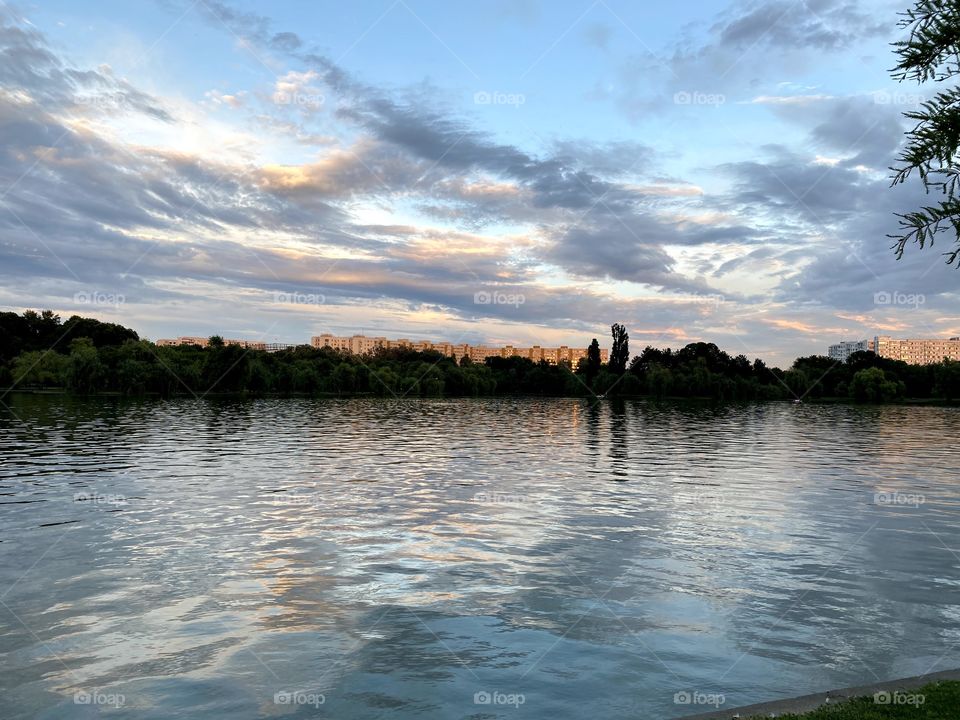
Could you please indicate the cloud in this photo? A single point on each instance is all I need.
(234, 101)
(748, 47)
(859, 128)
(29, 67)
(815, 25)
(297, 89)
(790, 99)
(405, 208)
(611, 159)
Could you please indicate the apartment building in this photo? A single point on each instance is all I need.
(916, 351)
(844, 349)
(204, 341)
(362, 345)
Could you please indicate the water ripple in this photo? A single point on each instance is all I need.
(200, 557)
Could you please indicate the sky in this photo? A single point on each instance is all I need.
(513, 171)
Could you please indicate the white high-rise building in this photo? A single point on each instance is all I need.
(845, 348)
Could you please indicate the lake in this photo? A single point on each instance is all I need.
(514, 558)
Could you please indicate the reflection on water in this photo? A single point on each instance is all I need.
(450, 559)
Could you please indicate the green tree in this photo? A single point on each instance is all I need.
(305, 377)
(630, 385)
(226, 368)
(44, 328)
(872, 385)
(83, 367)
(137, 368)
(259, 378)
(593, 360)
(659, 381)
(409, 385)
(604, 382)
(38, 368)
(431, 379)
(182, 368)
(100, 333)
(931, 53)
(620, 350)
(947, 376)
(384, 381)
(344, 378)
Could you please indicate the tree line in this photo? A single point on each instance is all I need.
(84, 355)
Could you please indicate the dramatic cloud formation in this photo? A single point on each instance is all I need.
(749, 211)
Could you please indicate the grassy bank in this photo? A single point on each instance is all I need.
(936, 701)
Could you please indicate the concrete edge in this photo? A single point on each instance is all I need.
(806, 703)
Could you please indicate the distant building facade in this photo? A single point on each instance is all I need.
(204, 342)
(363, 345)
(916, 351)
(844, 349)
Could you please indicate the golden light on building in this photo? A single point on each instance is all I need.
(363, 345)
(916, 351)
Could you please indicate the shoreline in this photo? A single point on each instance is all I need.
(62, 392)
(814, 701)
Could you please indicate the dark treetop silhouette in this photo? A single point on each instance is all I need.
(83, 355)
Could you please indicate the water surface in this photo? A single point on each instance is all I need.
(417, 559)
